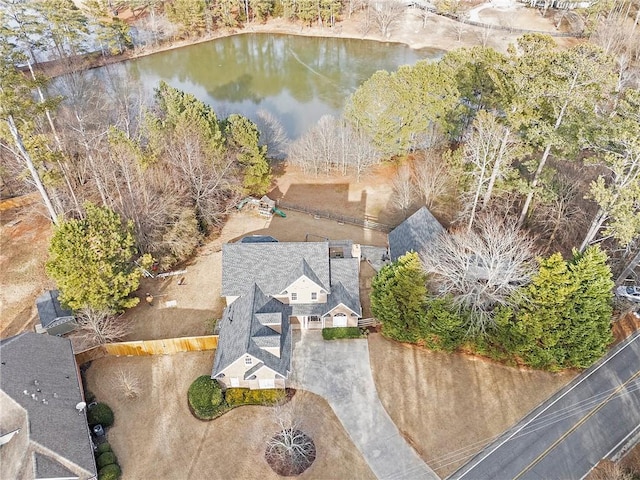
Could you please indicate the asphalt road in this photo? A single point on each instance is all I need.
(565, 437)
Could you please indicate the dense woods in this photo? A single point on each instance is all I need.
(531, 155)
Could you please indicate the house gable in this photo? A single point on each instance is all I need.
(303, 290)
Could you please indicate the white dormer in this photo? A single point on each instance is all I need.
(304, 290)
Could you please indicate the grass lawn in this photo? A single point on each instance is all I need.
(155, 435)
(449, 406)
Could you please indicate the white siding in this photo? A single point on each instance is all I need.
(303, 287)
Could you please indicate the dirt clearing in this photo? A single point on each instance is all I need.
(155, 435)
(25, 231)
(448, 406)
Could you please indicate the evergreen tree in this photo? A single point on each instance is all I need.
(564, 315)
(243, 139)
(91, 260)
(589, 333)
(398, 296)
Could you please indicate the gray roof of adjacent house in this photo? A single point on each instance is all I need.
(272, 266)
(415, 234)
(39, 373)
(50, 311)
(258, 239)
(242, 331)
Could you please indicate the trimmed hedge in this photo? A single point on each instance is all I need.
(244, 396)
(341, 332)
(106, 458)
(110, 472)
(205, 398)
(103, 447)
(100, 414)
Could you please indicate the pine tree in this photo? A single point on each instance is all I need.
(398, 296)
(590, 331)
(91, 260)
(564, 315)
(243, 139)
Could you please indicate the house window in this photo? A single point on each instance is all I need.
(247, 361)
(294, 296)
(314, 318)
(314, 295)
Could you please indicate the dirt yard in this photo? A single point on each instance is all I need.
(25, 231)
(155, 435)
(449, 406)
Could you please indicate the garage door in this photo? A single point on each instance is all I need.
(267, 383)
(340, 320)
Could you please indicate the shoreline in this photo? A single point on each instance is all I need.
(437, 32)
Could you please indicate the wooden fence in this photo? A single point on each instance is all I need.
(368, 322)
(367, 222)
(165, 346)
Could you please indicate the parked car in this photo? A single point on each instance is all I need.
(630, 292)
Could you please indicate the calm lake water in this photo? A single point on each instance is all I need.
(297, 79)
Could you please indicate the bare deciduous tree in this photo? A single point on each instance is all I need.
(127, 383)
(403, 189)
(290, 451)
(97, 328)
(481, 268)
(433, 176)
(386, 14)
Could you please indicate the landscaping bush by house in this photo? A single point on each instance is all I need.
(106, 458)
(103, 447)
(100, 414)
(341, 332)
(243, 396)
(205, 398)
(109, 472)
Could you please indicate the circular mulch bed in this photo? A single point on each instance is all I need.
(289, 461)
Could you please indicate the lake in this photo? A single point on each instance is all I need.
(297, 79)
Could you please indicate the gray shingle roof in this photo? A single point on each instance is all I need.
(50, 311)
(48, 468)
(339, 295)
(271, 265)
(240, 326)
(415, 234)
(44, 367)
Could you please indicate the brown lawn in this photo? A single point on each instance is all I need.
(448, 406)
(155, 435)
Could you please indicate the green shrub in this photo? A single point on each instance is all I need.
(235, 396)
(106, 458)
(110, 472)
(243, 396)
(341, 332)
(103, 447)
(100, 414)
(205, 397)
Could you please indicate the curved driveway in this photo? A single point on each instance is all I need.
(339, 371)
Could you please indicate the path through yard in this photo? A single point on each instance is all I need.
(339, 371)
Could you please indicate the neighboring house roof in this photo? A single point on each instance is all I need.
(258, 239)
(39, 373)
(415, 234)
(272, 266)
(242, 331)
(50, 311)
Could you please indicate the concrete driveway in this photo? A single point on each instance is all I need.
(339, 371)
